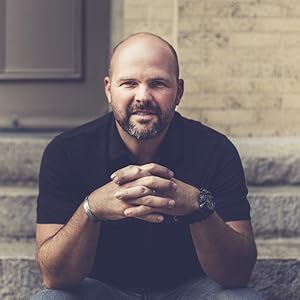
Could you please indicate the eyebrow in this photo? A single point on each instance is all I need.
(160, 79)
(126, 79)
(122, 79)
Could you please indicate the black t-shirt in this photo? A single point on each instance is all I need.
(133, 253)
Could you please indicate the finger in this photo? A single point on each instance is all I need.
(133, 172)
(152, 218)
(158, 170)
(153, 201)
(129, 173)
(154, 183)
(137, 211)
(134, 192)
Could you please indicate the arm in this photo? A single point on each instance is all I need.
(226, 251)
(66, 253)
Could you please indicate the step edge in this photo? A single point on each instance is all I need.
(280, 248)
(277, 249)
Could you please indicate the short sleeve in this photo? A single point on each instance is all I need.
(229, 186)
(58, 197)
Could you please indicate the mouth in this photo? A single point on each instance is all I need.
(143, 112)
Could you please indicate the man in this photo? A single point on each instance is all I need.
(143, 203)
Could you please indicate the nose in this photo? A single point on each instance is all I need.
(143, 94)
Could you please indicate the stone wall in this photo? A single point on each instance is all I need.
(240, 59)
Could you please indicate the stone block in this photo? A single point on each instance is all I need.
(237, 86)
(229, 117)
(20, 158)
(277, 279)
(267, 161)
(19, 274)
(19, 279)
(228, 9)
(263, 39)
(290, 101)
(140, 12)
(18, 212)
(273, 279)
(278, 248)
(232, 102)
(259, 130)
(270, 161)
(276, 275)
(275, 211)
(245, 24)
(282, 116)
(240, 70)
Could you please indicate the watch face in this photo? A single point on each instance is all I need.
(206, 199)
(210, 203)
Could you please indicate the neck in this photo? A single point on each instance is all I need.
(143, 150)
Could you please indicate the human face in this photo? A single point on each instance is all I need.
(143, 89)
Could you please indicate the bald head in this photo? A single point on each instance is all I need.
(144, 39)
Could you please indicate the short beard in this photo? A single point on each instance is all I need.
(163, 120)
(149, 133)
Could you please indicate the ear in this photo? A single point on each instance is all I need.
(107, 86)
(180, 90)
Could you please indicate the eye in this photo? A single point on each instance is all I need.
(157, 84)
(129, 83)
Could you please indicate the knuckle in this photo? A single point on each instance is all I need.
(153, 218)
(146, 200)
(156, 218)
(146, 209)
(151, 180)
(148, 217)
(164, 169)
(152, 166)
(170, 184)
(136, 171)
(143, 190)
(164, 202)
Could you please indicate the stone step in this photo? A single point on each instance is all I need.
(267, 161)
(20, 157)
(18, 212)
(275, 211)
(19, 274)
(276, 275)
(270, 160)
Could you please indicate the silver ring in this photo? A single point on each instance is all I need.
(153, 192)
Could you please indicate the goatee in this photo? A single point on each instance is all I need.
(144, 129)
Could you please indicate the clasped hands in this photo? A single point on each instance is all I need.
(146, 192)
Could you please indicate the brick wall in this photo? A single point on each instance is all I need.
(240, 60)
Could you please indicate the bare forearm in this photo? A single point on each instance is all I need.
(225, 255)
(67, 257)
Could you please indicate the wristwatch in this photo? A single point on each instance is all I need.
(206, 208)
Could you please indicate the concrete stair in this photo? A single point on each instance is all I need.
(19, 275)
(272, 168)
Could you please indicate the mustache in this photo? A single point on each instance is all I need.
(144, 106)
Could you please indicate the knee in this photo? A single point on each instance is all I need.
(49, 294)
(236, 294)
